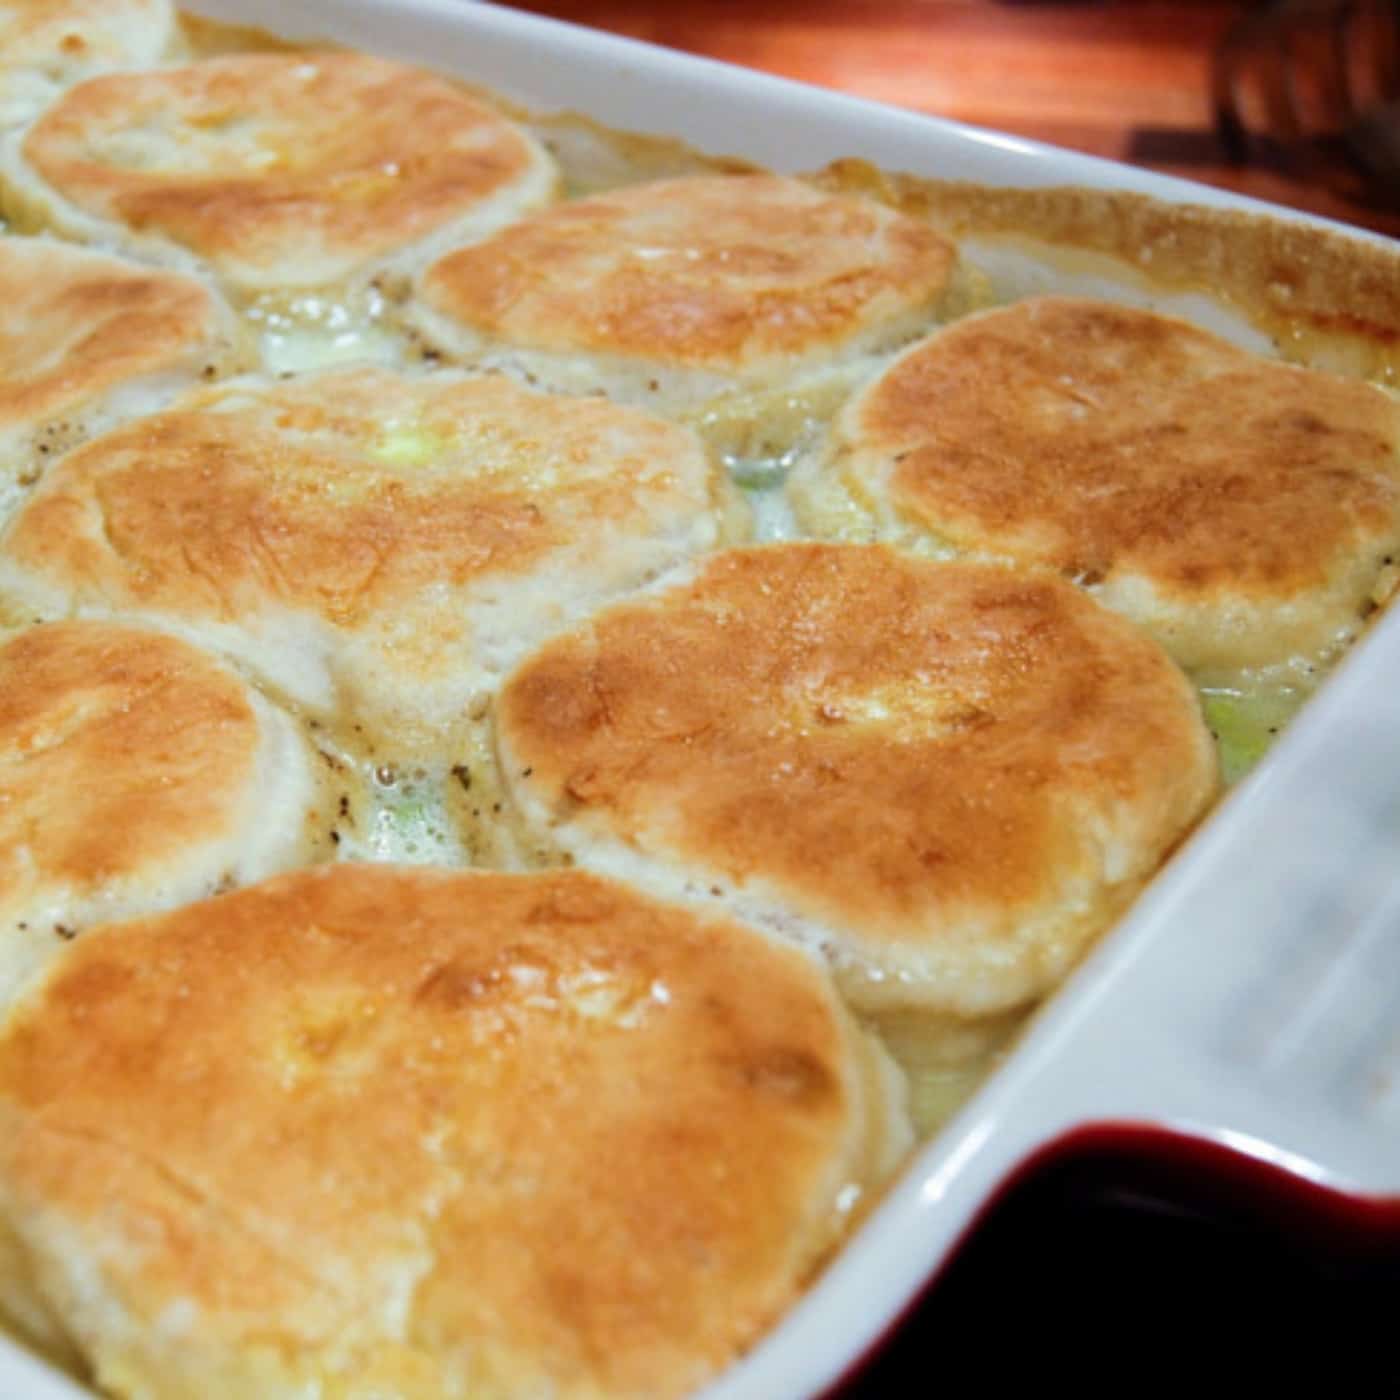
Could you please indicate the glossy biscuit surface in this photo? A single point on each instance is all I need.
(407, 535)
(136, 772)
(1237, 507)
(87, 339)
(47, 44)
(275, 170)
(423, 1133)
(725, 278)
(950, 776)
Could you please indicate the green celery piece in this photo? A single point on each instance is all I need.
(1243, 728)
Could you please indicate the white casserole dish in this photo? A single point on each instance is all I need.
(1252, 996)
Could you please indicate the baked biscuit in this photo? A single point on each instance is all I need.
(45, 45)
(1238, 508)
(86, 340)
(275, 170)
(367, 1130)
(368, 540)
(136, 772)
(670, 292)
(951, 777)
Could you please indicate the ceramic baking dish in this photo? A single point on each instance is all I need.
(1251, 999)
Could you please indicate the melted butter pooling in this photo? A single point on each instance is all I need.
(309, 331)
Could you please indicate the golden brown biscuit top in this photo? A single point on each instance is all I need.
(894, 744)
(1098, 439)
(311, 162)
(73, 324)
(348, 492)
(119, 749)
(701, 271)
(77, 35)
(580, 1139)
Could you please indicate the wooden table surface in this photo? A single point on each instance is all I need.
(1128, 80)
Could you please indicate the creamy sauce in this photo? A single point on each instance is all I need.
(945, 1059)
(1247, 717)
(310, 331)
(760, 437)
(15, 485)
(406, 821)
(935, 1095)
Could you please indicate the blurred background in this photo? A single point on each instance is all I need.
(1296, 101)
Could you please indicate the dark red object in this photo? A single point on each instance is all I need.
(1124, 1241)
